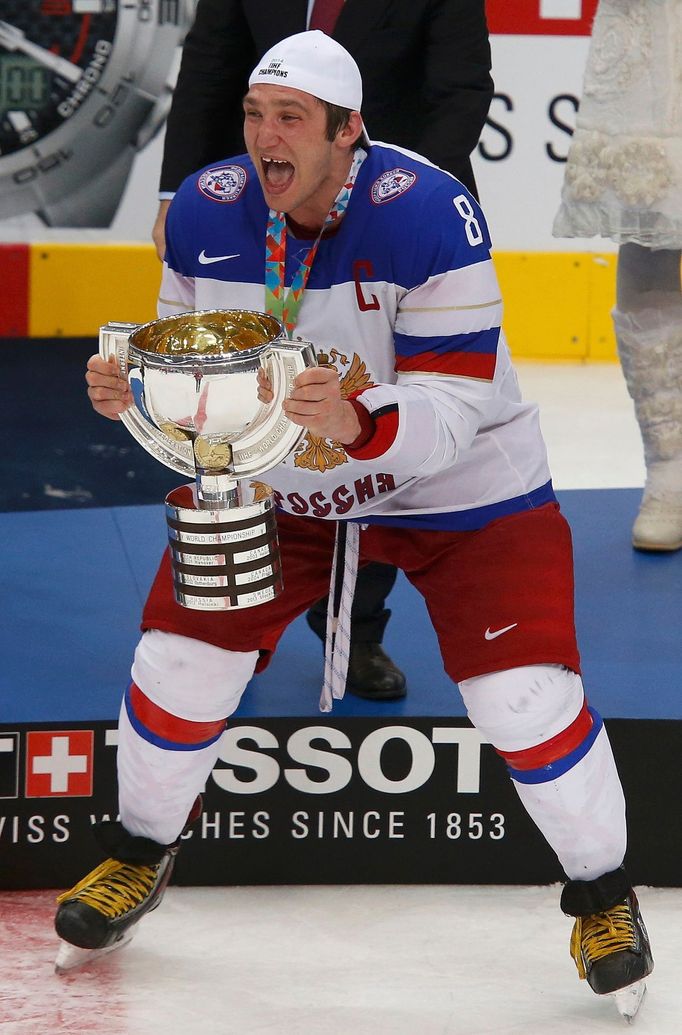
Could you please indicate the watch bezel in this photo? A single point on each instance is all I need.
(133, 92)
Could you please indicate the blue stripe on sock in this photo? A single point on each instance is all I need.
(160, 742)
(562, 765)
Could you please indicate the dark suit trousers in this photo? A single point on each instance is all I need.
(368, 616)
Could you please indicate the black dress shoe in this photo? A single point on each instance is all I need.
(372, 674)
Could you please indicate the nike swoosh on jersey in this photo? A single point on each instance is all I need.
(490, 635)
(205, 259)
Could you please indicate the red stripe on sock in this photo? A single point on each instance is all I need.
(171, 727)
(551, 750)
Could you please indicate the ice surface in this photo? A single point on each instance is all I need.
(360, 960)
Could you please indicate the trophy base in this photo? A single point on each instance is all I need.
(222, 559)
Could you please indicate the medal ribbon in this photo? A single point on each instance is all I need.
(280, 302)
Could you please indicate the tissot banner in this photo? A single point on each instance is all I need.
(310, 801)
(85, 87)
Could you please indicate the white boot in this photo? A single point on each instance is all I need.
(650, 350)
(659, 523)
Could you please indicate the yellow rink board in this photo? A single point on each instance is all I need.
(74, 289)
(557, 305)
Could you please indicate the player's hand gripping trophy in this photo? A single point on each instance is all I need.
(194, 379)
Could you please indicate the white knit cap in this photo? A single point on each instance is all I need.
(315, 63)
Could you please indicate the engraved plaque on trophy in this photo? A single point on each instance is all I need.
(194, 381)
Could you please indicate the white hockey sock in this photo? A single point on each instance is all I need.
(172, 718)
(560, 760)
(582, 813)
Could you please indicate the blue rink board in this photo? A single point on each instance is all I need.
(74, 583)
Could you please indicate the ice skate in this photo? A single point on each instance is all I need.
(99, 913)
(70, 957)
(609, 943)
(628, 1000)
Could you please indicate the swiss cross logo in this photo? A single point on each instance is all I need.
(9, 765)
(59, 764)
(541, 17)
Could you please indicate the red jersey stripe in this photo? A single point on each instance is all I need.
(455, 364)
(385, 430)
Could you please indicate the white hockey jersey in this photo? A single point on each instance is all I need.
(403, 301)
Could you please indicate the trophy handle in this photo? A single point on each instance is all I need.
(275, 437)
(178, 455)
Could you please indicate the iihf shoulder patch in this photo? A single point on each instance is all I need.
(391, 184)
(224, 183)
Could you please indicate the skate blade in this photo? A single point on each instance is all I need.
(629, 999)
(70, 957)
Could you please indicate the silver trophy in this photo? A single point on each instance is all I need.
(194, 381)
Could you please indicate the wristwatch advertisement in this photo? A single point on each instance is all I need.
(84, 86)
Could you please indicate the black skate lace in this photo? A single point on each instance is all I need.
(601, 934)
(114, 888)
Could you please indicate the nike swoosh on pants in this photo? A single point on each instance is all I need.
(490, 635)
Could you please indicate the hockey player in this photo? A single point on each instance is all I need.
(418, 448)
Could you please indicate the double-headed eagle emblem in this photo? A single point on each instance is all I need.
(322, 454)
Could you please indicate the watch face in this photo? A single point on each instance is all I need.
(52, 55)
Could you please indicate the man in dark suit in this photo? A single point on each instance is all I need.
(425, 66)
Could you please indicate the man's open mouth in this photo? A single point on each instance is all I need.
(278, 174)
